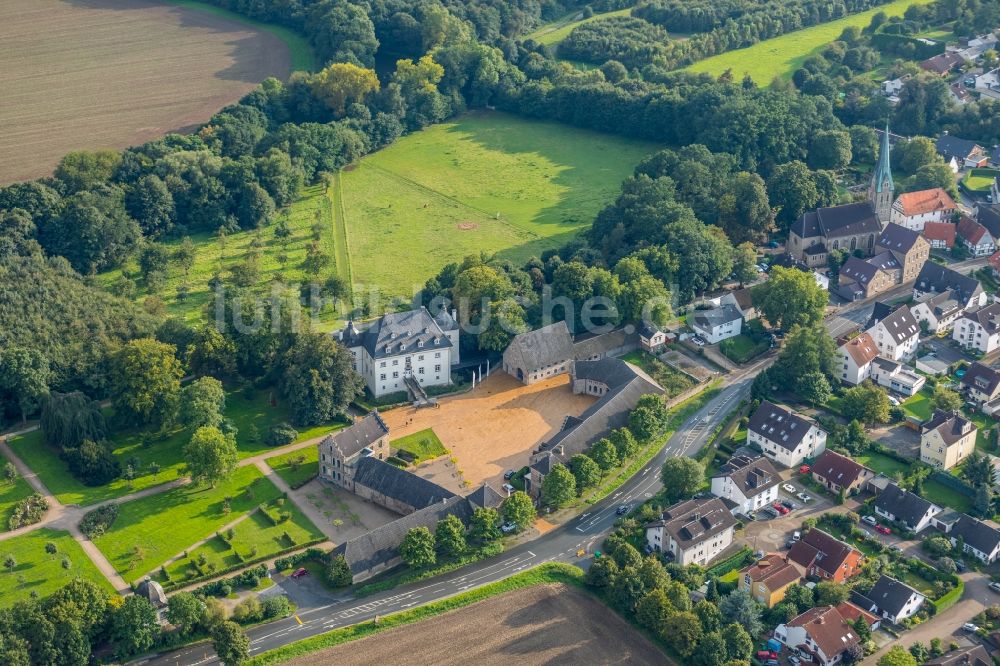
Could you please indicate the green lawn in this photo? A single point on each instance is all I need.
(673, 381)
(37, 571)
(302, 54)
(153, 529)
(423, 445)
(258, 531)
(882, 464)
(294, 471)
(980, 180)
(919, 405)
(556, 31)
(942, 34)
(10, 494)
(782, 55)
(213, 255)
(742, 348)
(485, 182)
(245, 411)
(945, 496)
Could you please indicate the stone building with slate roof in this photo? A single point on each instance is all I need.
(396, 489)
(403, 345)
(340, 452)
(536, 355)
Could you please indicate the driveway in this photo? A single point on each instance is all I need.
(770, 535)
(944, 351)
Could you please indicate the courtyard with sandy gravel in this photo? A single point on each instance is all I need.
(543, 624)
(490, 429)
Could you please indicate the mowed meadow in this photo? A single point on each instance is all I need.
(115, 73)
(781, 56)
(484, 182)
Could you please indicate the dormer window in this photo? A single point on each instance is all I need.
(420, 343)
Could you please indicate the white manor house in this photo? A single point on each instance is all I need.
(401, 347)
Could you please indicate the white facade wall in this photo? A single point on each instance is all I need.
(850, 371)
(915, 222)
(969, 334)
(429, 366)
(723, 487)
(813, 444)
(717, 334)
(886, 344)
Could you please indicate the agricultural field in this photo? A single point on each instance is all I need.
(261, 535)
(486, 182)
(37, 571)
(278, 257)
(116, 73)
(552, 33)
(154, 529)
(781, 56)
(247, 413)
(553, 623)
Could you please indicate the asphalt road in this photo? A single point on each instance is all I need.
(559, 545)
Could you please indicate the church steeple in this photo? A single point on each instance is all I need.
(881, 190)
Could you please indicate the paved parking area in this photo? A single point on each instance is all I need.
(944, 351)
(770, 535)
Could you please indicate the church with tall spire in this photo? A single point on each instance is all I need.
(881, 191)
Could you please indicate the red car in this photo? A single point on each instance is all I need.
(804, 469)
(882, 529)
(777, 506)
(299, 573)
(764, 655)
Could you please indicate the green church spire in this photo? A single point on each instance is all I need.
(883, 173)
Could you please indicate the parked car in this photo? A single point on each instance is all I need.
(769, 512)
(759, 554)
(793, 660)
(789, 488)
(804, 469)
(882, 529)
(508, 475)
(971, 627)
(508, 488)
(960, 565)
(300, 572)
(804, 497)
(790, 505)
(623, 509)
(777, 506)
(698, 341)
(508, 527)
(763, 655)
(870, 520)
(796, 535)
(894, 401)
(995, 587)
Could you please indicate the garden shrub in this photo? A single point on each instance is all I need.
(97, 522)
(28, 511)
(281, 434)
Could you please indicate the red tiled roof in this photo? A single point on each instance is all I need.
(925, 201)
(940, 231)
(816, 542)
(837, 469)
(994, 260)
(828, 628)
(862, 349)
(851, 613)
(971, 230)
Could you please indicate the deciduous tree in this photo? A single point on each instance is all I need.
(417, 548)
(211, 456)
(559, 487)
(682, 477)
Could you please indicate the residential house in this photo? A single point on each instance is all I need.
(717, 324)
(893, 600)
(896, 377)
(994, 264)
(618, 386)
(976, 237)
(935, 279)
(746, 484)
(340, 452)
(937, 310)
(974, 655)
(891, 87)
(941, 235)
(989, 216)
(902, 506)
(946, 439)
(859, 279)
(988, 84)
(979, 329)
(981, 383)
(651, 337)
(822, 633)
(979, 538)
(907, 246)
(856, 357)
(768, 579)
(826, 557)
(967, 153)
(839, 473)
(942, 64)
(914, 210)
(960, 94)
(895, 331)
(743, 299)
(694, 531)
(403, 347)
(784, 436)
(536, 355)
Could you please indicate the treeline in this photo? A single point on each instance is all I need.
(720, 27)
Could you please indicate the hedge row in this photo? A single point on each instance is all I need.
(735, 562)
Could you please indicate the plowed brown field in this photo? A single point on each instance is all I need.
(78, 74)
(544, 624)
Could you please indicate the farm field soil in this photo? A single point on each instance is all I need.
(115, 73)
(485, 182)
(782, 55)
(37, 571)
(476, 427)
(553, 623)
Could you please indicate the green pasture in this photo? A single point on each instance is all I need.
(781, 56)
(485, 182)
(42, 573)
(552, 33)
(246, 411)
(151, 530)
